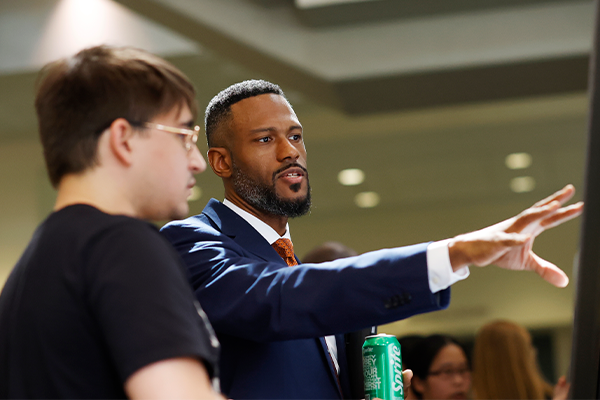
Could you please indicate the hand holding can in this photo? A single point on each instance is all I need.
(382, 368)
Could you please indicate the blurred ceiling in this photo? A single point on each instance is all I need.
(372, 56)
(426, 97)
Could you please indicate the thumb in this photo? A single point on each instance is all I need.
(549, 272)
(407, 375)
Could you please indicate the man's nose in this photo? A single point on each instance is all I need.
(287, 149)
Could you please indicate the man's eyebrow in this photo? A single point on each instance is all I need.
(273, 129)
(257, 130)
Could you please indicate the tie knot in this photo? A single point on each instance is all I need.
(285, 249)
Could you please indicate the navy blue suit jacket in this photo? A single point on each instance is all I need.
(270, 318)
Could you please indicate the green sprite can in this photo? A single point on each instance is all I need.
(382, 368)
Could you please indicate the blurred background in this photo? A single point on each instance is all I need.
(423, 119)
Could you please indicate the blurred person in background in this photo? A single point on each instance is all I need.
(505, 365)
(441, 369)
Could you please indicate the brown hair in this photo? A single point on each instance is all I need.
(505, 364)
(328, 251)
(79, 97)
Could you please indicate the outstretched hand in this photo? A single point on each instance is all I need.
(509, 243)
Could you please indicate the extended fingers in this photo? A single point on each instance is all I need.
(533, 215)
(562, 196)
(563, 215)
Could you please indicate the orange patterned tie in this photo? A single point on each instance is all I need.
(285, 249)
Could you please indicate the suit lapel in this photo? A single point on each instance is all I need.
(344, 375)
(234, 226)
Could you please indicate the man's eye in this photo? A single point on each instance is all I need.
(296, 137)
(264, 139)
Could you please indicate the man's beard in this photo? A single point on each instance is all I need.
(265, 198)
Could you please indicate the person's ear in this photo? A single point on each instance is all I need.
(120, 134)
(219, 159)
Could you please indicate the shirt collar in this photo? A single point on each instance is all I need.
(261, 227)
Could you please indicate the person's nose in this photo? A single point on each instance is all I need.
(287, 150)
(460, 378)
(197, 163)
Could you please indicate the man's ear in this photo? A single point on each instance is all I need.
(120, 134)
(219, 159)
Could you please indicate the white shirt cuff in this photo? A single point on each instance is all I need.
(439, 268)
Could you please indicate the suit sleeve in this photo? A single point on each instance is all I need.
(259, 300)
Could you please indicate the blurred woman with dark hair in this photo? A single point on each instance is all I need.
(441, 369)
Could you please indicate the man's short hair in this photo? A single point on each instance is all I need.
(218, 110)
(79, 97)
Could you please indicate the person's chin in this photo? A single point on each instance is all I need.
(293, 197)
(289, 192)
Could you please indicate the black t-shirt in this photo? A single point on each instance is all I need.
(94, 298)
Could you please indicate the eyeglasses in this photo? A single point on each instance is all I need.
(190, 136)
(449, 373)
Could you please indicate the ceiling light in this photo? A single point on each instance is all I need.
(518, 160)
(75, 25)
(366, 199)
(522, 184)
(302, 4)
(351, 176)
(195, 194)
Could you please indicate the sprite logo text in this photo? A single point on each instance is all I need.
(397, 368)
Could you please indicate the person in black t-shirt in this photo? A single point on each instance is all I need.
(99, 306)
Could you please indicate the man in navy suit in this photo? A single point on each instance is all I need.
(271, 319)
